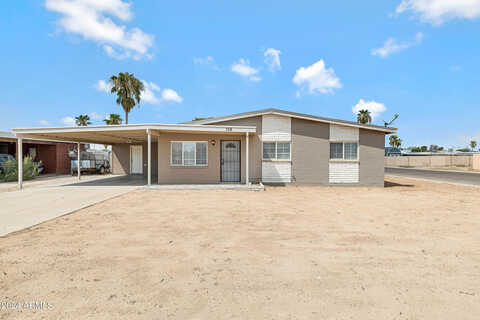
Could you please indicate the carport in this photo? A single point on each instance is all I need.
(131, 134)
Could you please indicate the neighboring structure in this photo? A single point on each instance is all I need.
(53, 154)
(271, 146)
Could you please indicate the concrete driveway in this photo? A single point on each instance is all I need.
(29, 207)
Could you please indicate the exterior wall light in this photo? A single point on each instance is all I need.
(213, 142)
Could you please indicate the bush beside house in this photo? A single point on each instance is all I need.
(10, 171)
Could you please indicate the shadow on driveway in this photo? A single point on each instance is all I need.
(390, 184)
(118, 181)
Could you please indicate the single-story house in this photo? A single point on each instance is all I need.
(269, 146)
(52, 154)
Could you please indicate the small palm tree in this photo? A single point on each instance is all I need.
(83, 120)
(395, 141)
(114, 119)
(128, 90)
(473, 144)
(364, 117)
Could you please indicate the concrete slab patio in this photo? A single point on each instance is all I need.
(27, 208)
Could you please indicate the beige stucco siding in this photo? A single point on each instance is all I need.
(121, 158)
(168, 174)
(255, 145)
(310, 151)
(372, 151)
(154, 160)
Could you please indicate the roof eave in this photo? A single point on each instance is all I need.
(300, 116)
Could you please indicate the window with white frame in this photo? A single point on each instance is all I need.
(344, 151)
(189, 153)
(276, 151)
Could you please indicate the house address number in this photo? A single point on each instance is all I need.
(228, 129)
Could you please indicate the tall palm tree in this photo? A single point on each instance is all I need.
(114, 119)
(364, 117)
(473, 144)
(82, 120)
(395, 141)
(128, 89)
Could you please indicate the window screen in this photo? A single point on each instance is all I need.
(177, 153)
(269, 150)
(188, 153)
(351, 151)
(283, 150)
(201, 153)
(336, 150)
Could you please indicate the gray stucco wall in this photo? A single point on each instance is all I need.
(310, 151)
(255, 145)
(372, 152)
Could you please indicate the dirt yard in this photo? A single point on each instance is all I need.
(408, 251)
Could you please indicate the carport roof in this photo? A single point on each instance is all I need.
(126, 133)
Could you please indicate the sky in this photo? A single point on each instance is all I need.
(415, 58)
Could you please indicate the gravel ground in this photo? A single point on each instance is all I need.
(407, 251)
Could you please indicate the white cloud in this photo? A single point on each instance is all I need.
(375, 108)
(91, 19)
(103, 85)
(317, 78)
(44, 122)
(206, 61)
(436, 12)
(203, 61)
(272, 59)
(391, 46)
(69, 121)
(171, 95)
(96, 116)
(243, 68)
(149, 94)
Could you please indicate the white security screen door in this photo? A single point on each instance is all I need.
(230, 161)
(136, 160)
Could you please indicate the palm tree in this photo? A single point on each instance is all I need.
(473, 144)
(82, 120)
(364, 117)
(394, 141)
(114, 119)
(128, 89)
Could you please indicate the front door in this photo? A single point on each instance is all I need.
(230, 161)
(136, 160)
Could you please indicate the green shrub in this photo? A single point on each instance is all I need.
(10, 172)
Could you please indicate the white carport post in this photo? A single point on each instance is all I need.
(246, 159)
(149, 155)
(78, 161)
(20, 162)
